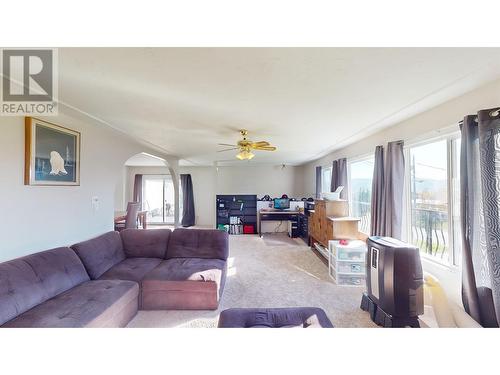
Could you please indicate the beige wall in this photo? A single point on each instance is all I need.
(36, 218)
(258, 179)
(204, 184)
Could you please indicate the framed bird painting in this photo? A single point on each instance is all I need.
(52, 154)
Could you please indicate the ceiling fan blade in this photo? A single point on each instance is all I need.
(228, 149)
(226, 144)
(261, 143)
(265, 148)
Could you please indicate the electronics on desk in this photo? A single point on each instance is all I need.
(281, 203)
(308, 206)
(394, 282)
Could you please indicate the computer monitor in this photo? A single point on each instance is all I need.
(281, 203)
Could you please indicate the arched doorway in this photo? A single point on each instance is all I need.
(154, 182)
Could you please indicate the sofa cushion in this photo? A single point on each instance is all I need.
(198, 243)
(95, 303)
(288, 317)
(139, 243)
(28, 281)
(182, 269)
(133, 269)
(184, 284)
(101, 253)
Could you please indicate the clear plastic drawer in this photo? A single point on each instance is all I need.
(350, 280)
(351, 267)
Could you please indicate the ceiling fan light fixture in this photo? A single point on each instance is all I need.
(245, 155)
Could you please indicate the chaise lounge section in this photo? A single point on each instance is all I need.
(52, 289)
(192, 276)
(102, 282)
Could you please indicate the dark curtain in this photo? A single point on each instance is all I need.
(387, 191)
(394, 174)
(377, 225)
(480, 212)
(188, 215)
(318, 182)
(339, 176)
(138, 188)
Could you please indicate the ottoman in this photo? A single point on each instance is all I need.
(288, 317)
(184, 284)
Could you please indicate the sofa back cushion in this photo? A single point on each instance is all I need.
(198, 243)
(28, 281)
(101, 253)
(139, 243)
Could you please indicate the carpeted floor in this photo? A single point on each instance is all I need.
(275, 271)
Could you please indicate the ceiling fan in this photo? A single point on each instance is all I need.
(246, 146)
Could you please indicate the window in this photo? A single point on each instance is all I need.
(326, 179)
(433, 199)
(360, 184)
(158, 198)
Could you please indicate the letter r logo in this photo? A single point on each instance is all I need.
(27, 75)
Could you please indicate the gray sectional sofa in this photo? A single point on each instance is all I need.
(103, 282)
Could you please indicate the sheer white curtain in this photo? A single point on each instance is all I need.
(480, 213)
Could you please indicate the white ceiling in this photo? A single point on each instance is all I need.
(305, 101)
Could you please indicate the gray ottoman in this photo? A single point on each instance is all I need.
(288, 317)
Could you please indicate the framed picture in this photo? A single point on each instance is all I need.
(52, 154)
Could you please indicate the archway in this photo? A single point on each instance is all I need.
(154, 180)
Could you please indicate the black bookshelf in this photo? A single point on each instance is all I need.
(242, 206)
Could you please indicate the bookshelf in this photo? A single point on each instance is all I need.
(242, 207)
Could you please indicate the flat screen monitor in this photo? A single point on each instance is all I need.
(281, 204)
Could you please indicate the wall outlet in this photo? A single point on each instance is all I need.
(95, 203)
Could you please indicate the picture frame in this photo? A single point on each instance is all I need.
(52, 154)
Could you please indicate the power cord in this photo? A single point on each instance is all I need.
(276, 230)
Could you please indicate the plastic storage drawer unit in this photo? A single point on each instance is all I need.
(347, 263)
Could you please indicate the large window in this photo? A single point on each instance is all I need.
(158, 198)
(432, 197)
(326, 179)
(360, 195)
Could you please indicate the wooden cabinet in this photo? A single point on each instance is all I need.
(344, 228)
(330, 221)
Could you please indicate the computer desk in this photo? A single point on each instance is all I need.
(274, 215)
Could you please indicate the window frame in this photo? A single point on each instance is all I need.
(450, 137)
(323, 169)
(164, 177)
(351, 161)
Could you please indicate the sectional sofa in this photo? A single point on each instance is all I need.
(104, 281)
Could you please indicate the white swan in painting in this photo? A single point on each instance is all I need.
(57, 164)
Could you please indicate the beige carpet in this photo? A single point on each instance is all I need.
(275, 271)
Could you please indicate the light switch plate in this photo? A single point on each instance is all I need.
(95, 203)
